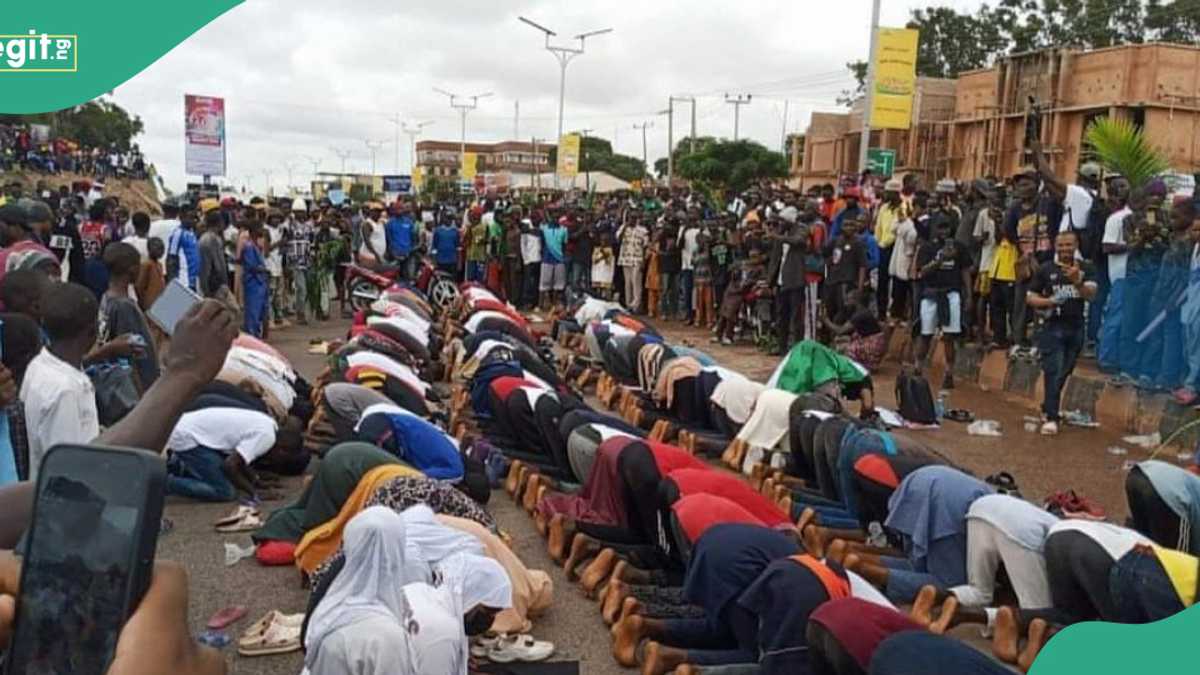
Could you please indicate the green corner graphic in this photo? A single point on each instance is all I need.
(89, 49)
(1100, 648)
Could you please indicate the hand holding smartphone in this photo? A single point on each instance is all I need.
(172, 305)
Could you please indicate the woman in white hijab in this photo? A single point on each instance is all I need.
(375, 618)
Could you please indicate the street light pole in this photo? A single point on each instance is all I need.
(645, 156)
(342, 155)
(412, 143)
(671, 132)
(564, 55)
(372, 147)
(864, 140)
(463, 108)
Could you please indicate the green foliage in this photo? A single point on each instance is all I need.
(859, 70)
(95, 123)
(730, 166)
(1122, 148)
(598, 155)
(952, 43)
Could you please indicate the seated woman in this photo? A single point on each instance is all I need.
(857, 332)
(1164, 501)
(367, 619)
(811, 366)
(418, 443)
(928, 514)
(397, 493)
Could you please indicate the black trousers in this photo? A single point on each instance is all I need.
(1078, 569)
(1151, 515)
(789, 316)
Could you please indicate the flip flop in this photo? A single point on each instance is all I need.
(247, 523)
(226, 616)
(277, 639)
(237, 514)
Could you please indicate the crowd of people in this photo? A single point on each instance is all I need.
(22, 149)
(797, 560)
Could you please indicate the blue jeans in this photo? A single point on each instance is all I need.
(686, 283)
(1191, 353)
(1174, 366)
(1141, 590)
(1140, 359)
(715, 643)
(199, 473)
(944, 566)
(476, 271)
(1109, 353)
(579, 280)
(1059, 346)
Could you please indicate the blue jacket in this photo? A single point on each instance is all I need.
(445, 245)
(399, 231)
(183, 248)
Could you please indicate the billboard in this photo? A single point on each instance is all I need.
(204, 135)
(895, 78)
(568, 156)
(469, 160)
(397, 184)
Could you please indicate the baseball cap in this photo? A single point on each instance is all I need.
(1090, 170)
(208, 204)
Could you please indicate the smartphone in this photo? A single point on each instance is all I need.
(172, 305)
(89, 557)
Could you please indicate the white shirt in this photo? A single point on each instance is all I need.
(249, 433)
(1076, 204)
(387, 365)
(985, 229)
(1020, 521)
(904, 249)
(60, 406)
(141, 244)
(531, 248)
(162, 229)
(275, 258)
(1116, 541)
(472, 324)
(688, 246)
(1114, 233)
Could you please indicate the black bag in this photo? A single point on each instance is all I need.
(116, 391)
(915, 399)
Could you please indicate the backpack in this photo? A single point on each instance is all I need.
(915, 399)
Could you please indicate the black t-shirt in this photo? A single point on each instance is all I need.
(947, 274)
(1034, 229)
(1050, 282)
(843, 260)
(864, 322)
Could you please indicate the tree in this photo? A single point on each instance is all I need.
(730, 166)
(859, 70)
(951, 43)
(682, 148)
(95, 123)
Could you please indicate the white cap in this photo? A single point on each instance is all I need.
(299, 204)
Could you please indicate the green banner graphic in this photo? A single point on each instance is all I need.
(54, 55)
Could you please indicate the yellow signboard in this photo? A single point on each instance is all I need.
(895, 78)
(418, 178)
(468, 171)
(568, 156)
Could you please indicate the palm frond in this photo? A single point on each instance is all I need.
(1122, 148)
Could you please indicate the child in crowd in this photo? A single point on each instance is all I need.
(1003, 275)
(256, 300)
(653, 282)
(120, 314)
(21, 291)
(151, 276)
(702, 278)
(749, 273)
(603, 266)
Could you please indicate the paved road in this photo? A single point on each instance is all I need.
(1076, 459)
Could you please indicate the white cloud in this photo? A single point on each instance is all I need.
(303, 77)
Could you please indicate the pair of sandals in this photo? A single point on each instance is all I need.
(275, 633)
(242, 519)
(504, 648)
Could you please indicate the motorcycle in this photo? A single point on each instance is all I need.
(365, 285)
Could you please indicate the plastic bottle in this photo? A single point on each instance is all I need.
(939, 406)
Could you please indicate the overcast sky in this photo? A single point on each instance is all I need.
(304, 78)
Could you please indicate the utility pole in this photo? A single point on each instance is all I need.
(372, 147)
(783, 133)
(516, 120)
(342, 155)
(671, 132)
(395, 120)
(564, 55)
(290, 167)
(645, 156)
(412, 143)
(267, 174)
(864, 141)
(459, 103)
(316, 162)
(737, 102)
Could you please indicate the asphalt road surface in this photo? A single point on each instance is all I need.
(1077, 458)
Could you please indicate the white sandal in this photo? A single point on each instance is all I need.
(247, 523)
(520, 648)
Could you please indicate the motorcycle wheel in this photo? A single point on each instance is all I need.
(362, 294)
(442, 293)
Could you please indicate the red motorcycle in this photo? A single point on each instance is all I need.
(366, 285)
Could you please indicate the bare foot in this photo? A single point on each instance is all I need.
(852, 562)
(1004, 638)
(614, 599)
(529, 496)
(627, 633)
(560, 537)
(807, 517)
(582, 547)
(597, 571)
(945, 620)
(1039, 633)
(510, 483)
(686, 669)
(785, 505)
(543, 488)
(660, 659)
(522, 475)
(836, 552)
(922, 609)
(767, 487)
(541, 522)
(812, 542)
(630, 607)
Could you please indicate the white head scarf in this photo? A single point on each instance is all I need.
(371, 582)
(468, 581)
(428, 542)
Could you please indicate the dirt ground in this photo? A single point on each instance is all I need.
(1077, 458)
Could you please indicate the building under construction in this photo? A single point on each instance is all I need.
(975, 126)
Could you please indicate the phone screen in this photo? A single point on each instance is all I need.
(81, 552)
(169, 308)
